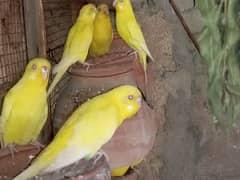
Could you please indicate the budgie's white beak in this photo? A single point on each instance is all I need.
(139, 100)
(114, 3)
(45, 72)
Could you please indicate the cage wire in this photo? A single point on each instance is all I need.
(58, 18)
(13, 53)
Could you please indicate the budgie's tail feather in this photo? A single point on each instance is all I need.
(31, 171)
(143, 61)
(57, 78)
(39, 165)
(146, 50)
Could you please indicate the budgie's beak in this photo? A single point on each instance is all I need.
(114, 3)
(105, 10)
(45, 72)
(139, 100)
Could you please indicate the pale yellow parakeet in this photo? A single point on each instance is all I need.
(25, 106)
(102, 33)
(86, 130)
(130, 31)
(123, 170)
(77, 44)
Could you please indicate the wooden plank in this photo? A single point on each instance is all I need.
(35, 28)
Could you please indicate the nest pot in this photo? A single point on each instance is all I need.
(13, 164)
(135, 137)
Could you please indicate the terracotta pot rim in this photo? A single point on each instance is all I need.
(19, 149)
(113, 66)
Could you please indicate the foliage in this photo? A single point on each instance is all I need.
(220, 47)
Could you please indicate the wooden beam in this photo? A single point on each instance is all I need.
(35, 28)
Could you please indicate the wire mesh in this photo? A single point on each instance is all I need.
(13, 54)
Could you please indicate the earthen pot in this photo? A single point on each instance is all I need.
(135, 138)
(11, 165)
(119, 67)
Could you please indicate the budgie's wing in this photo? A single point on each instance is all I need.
(6, 111)
(42, 120)
(69, 40)
(81, 43)
(137, 37)
(76, 50)
(92, 125)
(81, 136)
(63, 61)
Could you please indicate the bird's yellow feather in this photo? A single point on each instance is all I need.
(123, 170)
(130, 31)
(102, 33)
(77, 44)
(25, 107)
(87, 129)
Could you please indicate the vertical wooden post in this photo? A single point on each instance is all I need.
(35, 28)
(43, 36)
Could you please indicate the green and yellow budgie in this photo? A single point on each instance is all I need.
(78, 42)
(87, 129)
(102, 33)
(130, 31)
(25, 107)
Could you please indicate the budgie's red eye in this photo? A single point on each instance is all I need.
(130, 97)
(34, 67)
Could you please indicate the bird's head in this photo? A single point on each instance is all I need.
(128, 99)
(121, 4)
(103, 9)
(87, 12)
(38, 70)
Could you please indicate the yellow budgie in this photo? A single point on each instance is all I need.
(86, 130)
(25, 107)
(122, 170)
(78, 42)
(102, 33)
(130, 31)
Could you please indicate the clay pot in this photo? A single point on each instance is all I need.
(116, 68)
(135, 138)
(120, 63)
(11, 166)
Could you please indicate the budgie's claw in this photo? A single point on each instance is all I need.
(131, 52)
(12, 150)
(99, 155)
(38, 145)
(87, 65)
